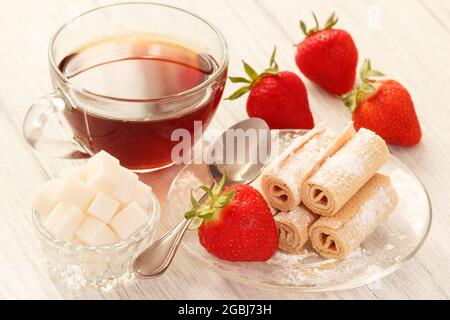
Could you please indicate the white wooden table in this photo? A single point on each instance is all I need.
(409, 40)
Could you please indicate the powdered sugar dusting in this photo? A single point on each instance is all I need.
(299, 216)
(369, 212)
(351, 159)
(286, 259)
(299, 162)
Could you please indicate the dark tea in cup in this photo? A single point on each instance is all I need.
(147, 73)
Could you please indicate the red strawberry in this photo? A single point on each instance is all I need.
(328, 57)
(235, 225)
(384, 107)
(280, 98)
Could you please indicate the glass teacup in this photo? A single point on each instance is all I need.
(125, 77)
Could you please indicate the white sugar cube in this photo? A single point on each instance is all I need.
(63, 220)
(129, 220)
(102, 159)
(102, 171)
(76, 192)
(143, 195)
(103, 178)
(46, 197)
(103, 207)
(95, 232)
(126, 185)
(78, 172)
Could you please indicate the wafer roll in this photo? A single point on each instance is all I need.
(335, 237)
(341, 175)
(280, 181)
(293, 227)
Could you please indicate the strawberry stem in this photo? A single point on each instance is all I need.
(253, 76)
(206, 210)
(330, 23)
(365, 89)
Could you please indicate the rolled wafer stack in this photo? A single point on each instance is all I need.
(280, 181)
(293, 228)
(330, 185)
(335, 237)
(257, 185)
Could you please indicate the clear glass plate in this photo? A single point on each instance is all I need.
(384, 251)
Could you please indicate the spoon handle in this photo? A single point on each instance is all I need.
(154, 260)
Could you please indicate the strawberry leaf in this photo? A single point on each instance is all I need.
(239, 80)
(273, 63)
(219, 187)
(375, 73)
(207, 209)
(207, 190)
(367, 73)
(195, 224)
(304, 27)
(316, 22)
(194, 202)
(364, 72)
(273, 69)
(250, 71)
(239, 93)
(350, 100)
(210, 215)
(230, 193)
(331, 22)
(225, 199)
(221, 202)
(190, 214)
(366, 88)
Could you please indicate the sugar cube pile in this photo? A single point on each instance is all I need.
(99, 203)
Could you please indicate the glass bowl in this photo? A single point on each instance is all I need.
(78, 266)
(392, 244)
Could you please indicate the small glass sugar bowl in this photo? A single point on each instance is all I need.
(79, 266)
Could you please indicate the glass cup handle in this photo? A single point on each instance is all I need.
(34, 124)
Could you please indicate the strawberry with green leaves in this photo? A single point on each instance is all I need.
(328, 56)
(278, 97)
(385, 107)
(235, 224)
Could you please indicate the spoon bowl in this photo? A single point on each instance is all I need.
(248, 145)
(241, 152)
